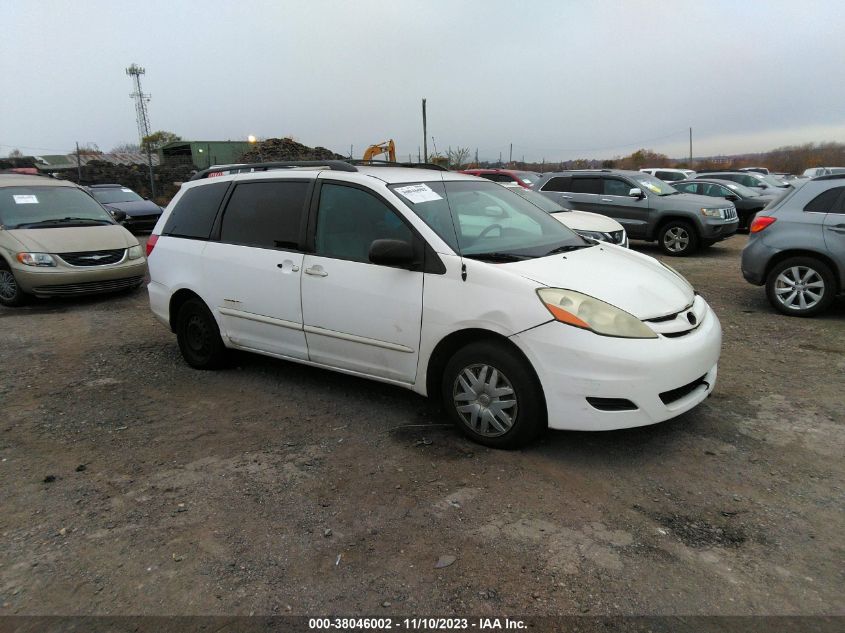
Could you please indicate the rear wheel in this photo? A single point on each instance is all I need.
(493, 396)
(800, 286)
(678, 238)
(11, 294)
(199, 337)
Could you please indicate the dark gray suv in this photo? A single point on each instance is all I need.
(797, 247)
(648, 208)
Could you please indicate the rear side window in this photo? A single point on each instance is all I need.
(265, 214)
(688, 187)
(559, 183)
(826, 202)
(193, 216)
(586, 185)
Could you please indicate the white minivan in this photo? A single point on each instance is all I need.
(446, 284)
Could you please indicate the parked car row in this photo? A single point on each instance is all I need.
(460, 289)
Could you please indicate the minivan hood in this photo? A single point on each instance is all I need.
(135, 207)
(74, 239)
(636, 283)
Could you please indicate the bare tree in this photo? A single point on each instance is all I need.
(126, 148)
(15, 153)
(458, 157)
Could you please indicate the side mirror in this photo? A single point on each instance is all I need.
(732, 197)
(392, 253)
(636, 192)
(119, 216)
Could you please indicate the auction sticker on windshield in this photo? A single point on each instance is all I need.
(418, 193)
(19, 199)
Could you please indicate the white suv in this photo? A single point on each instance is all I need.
(443, 283)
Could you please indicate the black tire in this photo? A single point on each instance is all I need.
(11, 294)
(678, 238)
(199, 337)
(527, 415)
(818, 281)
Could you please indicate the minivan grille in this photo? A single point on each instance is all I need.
(93, 258)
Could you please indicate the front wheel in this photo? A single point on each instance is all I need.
(11, 294)
(199, 337)
(800, 286)
(493, 396)
(678, 238)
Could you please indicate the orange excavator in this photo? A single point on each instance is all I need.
(385, 147)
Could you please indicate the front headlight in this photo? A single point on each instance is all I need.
(713, 213)
(594, 235)
(36, 259)
(583, 311)
(135, 252)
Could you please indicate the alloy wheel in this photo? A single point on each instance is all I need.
(8, 285)
(485, 400)
(676, 239)
(799, 288)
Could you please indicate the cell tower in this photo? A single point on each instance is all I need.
(135, 72)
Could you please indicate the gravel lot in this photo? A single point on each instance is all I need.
(131, 484)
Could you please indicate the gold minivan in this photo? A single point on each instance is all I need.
(56, 240)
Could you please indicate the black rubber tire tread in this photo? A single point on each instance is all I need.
(216, 354)
(531, 419)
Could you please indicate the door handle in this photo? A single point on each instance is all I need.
(567, 197)
(316, 271)
(294, 268)
(606, 200)
(837, 228)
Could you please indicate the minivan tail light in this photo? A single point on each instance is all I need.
(151, 242)
(761, 222)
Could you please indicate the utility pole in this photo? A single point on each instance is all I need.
(476, 157)
(690, 148)
(143, 118)
(510, 155)
(500, 159)
(350, 152)
(78, 165)
(425, 134)
(434, 144)
(419, 156)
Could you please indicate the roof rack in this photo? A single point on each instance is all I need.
(245, 168)
(388, 163)
(830, 177)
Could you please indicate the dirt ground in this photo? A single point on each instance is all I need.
(132, 484)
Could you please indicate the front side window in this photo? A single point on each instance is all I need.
(45, 207)
(487, 221)
(616, 187)
(349, 220)
(826, 202)
(265, 214)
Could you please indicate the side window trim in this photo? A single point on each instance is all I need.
(218, 222)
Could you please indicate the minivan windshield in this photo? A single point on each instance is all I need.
(655, 185)
(483, 220)
(49, 207)
(115, 194)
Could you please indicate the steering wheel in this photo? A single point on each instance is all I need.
(490, 228)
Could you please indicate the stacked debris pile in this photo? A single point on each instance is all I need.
(168, 178)
(280, 149)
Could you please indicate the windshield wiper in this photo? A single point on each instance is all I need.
(496, 257)
(62, 221)
(568, 248)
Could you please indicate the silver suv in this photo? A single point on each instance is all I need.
(797, 247)
(648, 208)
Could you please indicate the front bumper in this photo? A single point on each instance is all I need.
(60, 281)
(719, 229)
(661, 378)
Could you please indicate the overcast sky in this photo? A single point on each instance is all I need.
(558, 79)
